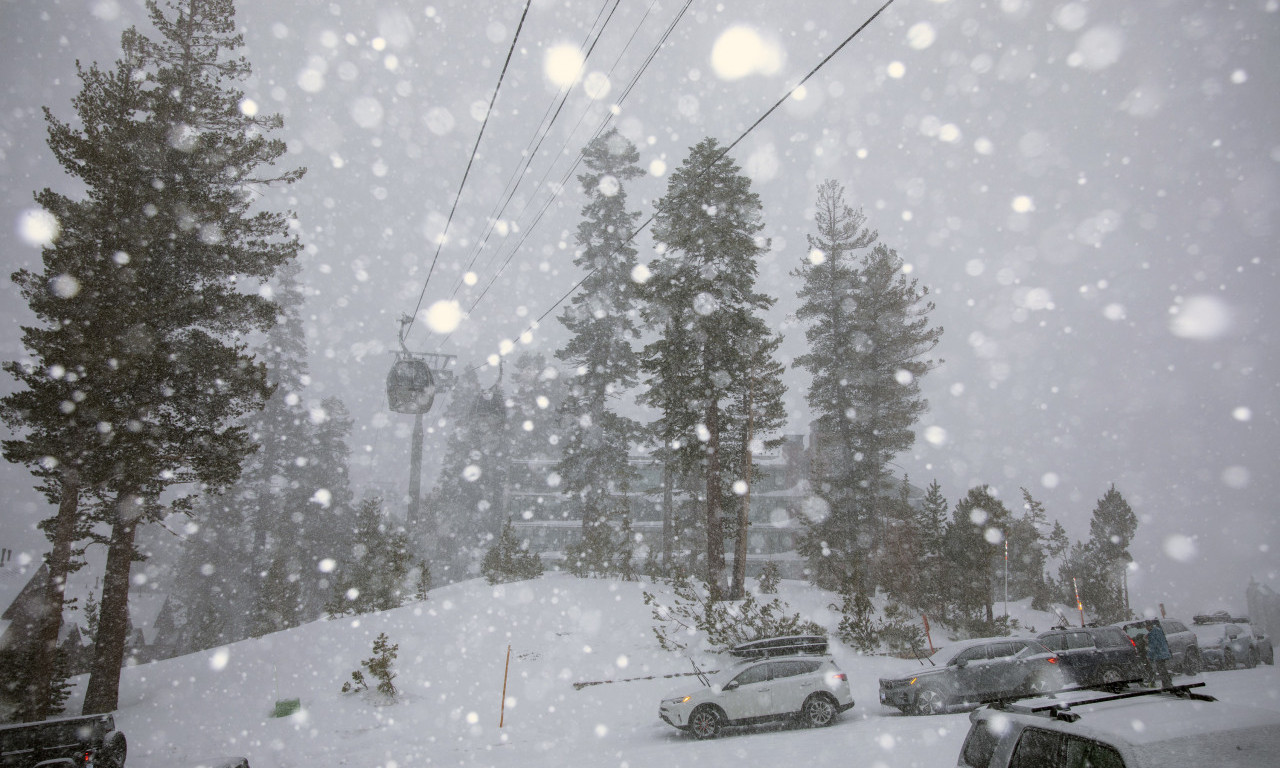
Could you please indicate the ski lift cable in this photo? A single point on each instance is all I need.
(645, 224)
(440, 243)
(568, 174)
(577, 160)
(596, 134)
(544, 128)
(541, 135)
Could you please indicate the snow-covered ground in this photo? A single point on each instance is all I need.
(561, 630)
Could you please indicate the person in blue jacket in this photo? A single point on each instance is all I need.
(1158, 652)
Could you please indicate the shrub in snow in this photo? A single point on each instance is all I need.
(769, 577)
(723, 623)
(509, 559)
(857, 628)
(379, 667)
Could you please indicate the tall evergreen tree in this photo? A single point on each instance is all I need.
(931, 521)
(868, 340)
(974, 548)
(373, 574)
(469, 498)
(602, 316)
(702, 300)
(142, 298)
(753, 417)
(1098, 565)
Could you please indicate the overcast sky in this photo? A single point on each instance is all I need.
(1091, 191)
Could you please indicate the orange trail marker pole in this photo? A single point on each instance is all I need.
(502, 713)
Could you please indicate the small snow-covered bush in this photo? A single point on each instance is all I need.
(724, 623)
(769, 577)
(379, 666)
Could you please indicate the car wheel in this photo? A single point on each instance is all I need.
(1228, 659)
(113, 751)
(930, 702)
(1111, 679)
(1252, 660)
(818, 711)
(1191, 662)
(705, 722)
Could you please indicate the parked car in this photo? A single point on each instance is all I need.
(1146, 729)
(1225, 646)
(972, 672)
(1261, 643)
(91, 740)
(1094, 656)
(1258, 640)
(774, 685)
(1184, 646)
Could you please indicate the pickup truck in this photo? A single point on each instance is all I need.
(86, 741)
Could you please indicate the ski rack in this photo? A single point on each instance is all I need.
(1063, 711)
(780, 646)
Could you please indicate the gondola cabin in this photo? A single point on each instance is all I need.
(411, 388)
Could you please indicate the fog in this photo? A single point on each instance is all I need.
(1091, 191)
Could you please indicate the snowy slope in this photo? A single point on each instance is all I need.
(561, 630)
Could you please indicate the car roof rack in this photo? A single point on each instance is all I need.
(780, 646)
(1062, 711)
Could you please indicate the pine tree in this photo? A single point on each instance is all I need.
(373, 575)
(973, 549)
(702, 301)
(602, 317)
(931, 522)
(143, 296)
(277, 601)
(509, 559)
(1098, 565)
(869, 334)
(469, 496)
(830, 274)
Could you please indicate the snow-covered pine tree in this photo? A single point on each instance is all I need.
(143, 298)
(931, 522)
(974, 551)
(277, 602)
(602, 317)
(509, 559)
(753, 417)
(373, 574)
(702, 301)
(830, 274)
(468, 500)
(868, 343)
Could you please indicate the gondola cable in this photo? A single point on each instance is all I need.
(645, 224)
(471, 160)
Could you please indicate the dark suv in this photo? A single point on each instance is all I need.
(1183, 643)
(1094, 656)
(971, 672)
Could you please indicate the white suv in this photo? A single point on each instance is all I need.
(1146, 729)
(810, 688)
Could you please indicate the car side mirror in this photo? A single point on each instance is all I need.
(962, 663)
(731, 685)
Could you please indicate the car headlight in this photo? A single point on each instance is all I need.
(677, 700)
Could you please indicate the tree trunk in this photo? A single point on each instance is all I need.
(668, 525)
(44, 660)
(739, 589)
(103, 691)
(715, 534)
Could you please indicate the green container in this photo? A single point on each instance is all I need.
(286, 707)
